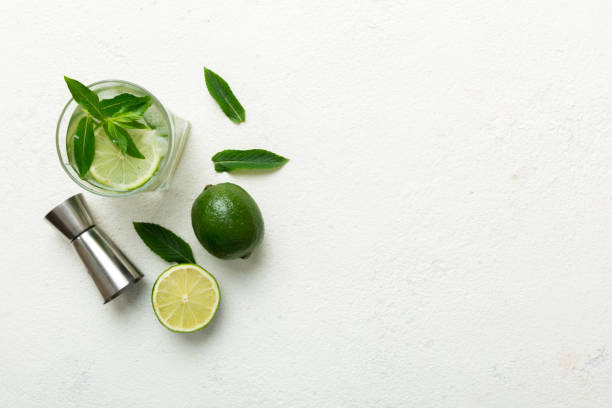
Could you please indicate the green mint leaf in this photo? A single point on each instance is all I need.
(125, 102)
(122, 139)
(132, 150)
(133, 124)
(86, 98)
(116, 137)
(84, 145)
(222, 93)
(228, 160)
(126, 116)
(164, 243)
(149, 124)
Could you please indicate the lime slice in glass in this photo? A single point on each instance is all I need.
(185, 298)
(119, 171)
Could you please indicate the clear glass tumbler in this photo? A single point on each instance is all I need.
(167, 132)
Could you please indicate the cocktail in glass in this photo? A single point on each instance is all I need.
(160, 139)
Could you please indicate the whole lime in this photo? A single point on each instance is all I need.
(227, 221)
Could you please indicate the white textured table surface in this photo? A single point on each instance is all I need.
(440, 238)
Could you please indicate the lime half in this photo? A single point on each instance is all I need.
(185, 298)
(119, 171)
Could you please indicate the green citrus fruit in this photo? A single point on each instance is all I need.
(185, 298)
(227, 221)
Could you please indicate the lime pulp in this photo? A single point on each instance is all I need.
(185, 298)
(112, 168)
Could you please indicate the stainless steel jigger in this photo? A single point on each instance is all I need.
(110, 269)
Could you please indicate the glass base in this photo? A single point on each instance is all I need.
(182, 128)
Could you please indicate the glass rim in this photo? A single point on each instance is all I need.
(99, 190)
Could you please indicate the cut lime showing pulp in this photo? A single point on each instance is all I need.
(119, 171)
(185, 298)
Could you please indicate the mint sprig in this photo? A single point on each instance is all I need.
(114, 115)
(124, 103)
(85, 97)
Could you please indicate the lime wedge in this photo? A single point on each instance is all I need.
(122, 172)
(185, 298)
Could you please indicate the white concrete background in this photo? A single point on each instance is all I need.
(440, 238)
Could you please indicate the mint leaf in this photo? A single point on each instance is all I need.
(126, 110)
(84, 145)
(117, 138)
(86, 98)
(122, 139)
(126, 116)
(125, 102)
(228, 160)
(164, 243)
(132, 150)
(133, 124)
(222, 93)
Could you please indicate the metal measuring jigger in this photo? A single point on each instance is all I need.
(110, 269)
